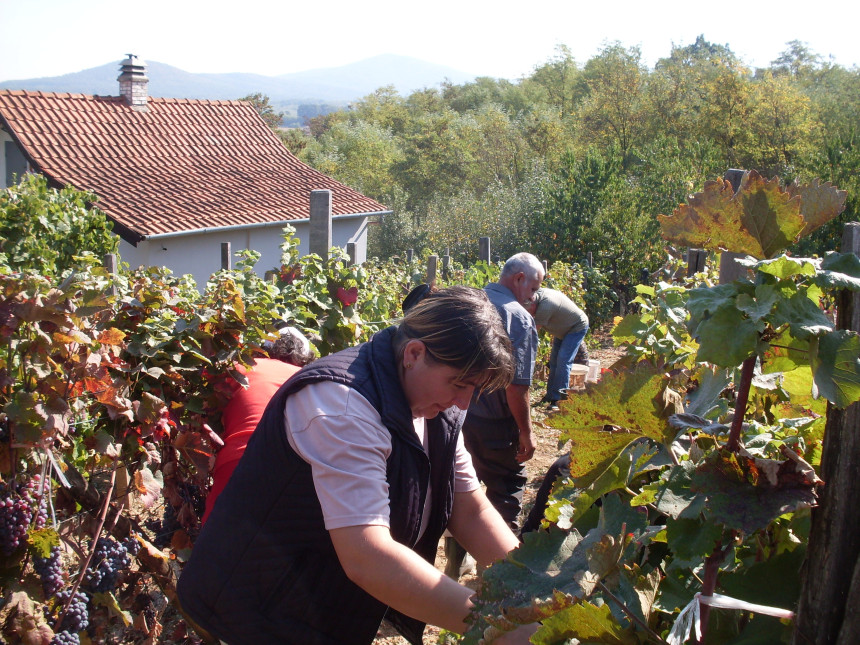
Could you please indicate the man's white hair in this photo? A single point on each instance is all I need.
(525, 263)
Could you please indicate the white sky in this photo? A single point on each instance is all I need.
(501, 38)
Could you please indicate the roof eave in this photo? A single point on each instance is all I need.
(245, 227)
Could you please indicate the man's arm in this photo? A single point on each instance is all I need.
(519, 404)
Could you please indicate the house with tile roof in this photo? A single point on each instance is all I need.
(177, 177)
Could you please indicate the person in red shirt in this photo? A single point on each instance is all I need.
(287, 355)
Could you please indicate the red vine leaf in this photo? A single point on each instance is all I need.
(347, 297)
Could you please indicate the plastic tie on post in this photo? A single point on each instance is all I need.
(690, 617)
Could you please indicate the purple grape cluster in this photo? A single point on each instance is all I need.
(50, 570)
(20, 505)
(15, 515)
(132, 545)
(77, 618)
(65, 638)
(109, 559)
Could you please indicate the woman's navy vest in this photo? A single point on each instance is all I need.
(264, 570)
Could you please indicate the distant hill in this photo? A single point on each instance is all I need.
(325, 85)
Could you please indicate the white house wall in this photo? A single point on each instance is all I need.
(200, 253)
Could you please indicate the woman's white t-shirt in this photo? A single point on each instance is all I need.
(340, 434)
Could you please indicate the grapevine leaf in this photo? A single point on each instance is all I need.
(840, 270)
(702, 301)
(819, 203)
(701, 221)
(766, 296)
(760, 220)
(727, 338)
(772, 582)
(748, 493)
(586, 622)
(837, 369)
(672, 494)
(196, 449)
(111, 336)
(638, 591)
(149, 408)
(41, 541)
(629, 329)
(569, 501)
(785, 353)
(784, 267)
(632, 401)
(550, 571)
(28, 417)
(687, 421)
(691, 539)
(803, 315)
(110, 602)
(712, 381)
(148, 486)
(798, 384)
(23, 618)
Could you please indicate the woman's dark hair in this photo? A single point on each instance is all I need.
(460, 327)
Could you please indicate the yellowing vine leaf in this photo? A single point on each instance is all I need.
(761, 219)
(613, 413)
(819, 203)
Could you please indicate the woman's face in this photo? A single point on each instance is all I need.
(431, 387)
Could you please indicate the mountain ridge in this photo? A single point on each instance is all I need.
(338, 85)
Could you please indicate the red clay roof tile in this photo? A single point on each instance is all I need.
(182, 165)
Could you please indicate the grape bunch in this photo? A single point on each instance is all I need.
(15, 515)
(76, 618)
(20, 505)
(65, 638)
(32, 491)
(109, 559)
(50, 570)
(132, 545)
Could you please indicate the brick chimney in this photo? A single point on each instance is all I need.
(133, 82)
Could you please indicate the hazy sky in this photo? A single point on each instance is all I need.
(500, 39)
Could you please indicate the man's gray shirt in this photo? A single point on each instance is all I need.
(521, 329)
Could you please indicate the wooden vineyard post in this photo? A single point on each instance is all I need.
(729, 269)
(696, 259)
(109, 262)
(484, 249)
(225, 256)
(828, 612)
(432, 265)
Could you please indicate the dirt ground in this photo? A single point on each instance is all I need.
(546, 453)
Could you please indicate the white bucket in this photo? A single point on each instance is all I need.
(577, 376)
(593, 374)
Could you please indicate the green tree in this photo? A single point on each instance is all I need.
(797, 60)
(46, 230)
(359, 154)
(613, 113)
(558, 82)
(782, 124)
(265, 109)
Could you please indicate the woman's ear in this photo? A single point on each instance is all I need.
(413, 352)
